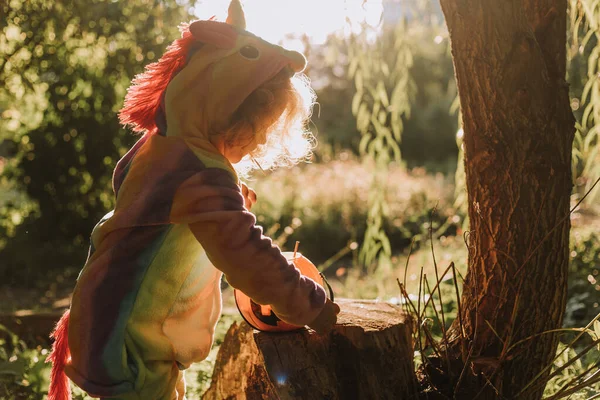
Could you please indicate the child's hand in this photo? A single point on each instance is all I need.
(249, 196)
(326, 320)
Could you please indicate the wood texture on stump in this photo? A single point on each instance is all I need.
(369, 355)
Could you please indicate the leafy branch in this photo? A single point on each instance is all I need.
(585, 32)
(381, 73)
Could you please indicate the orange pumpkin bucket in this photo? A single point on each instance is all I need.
(262, 317)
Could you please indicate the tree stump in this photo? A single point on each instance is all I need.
(369, 355)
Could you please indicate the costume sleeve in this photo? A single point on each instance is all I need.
(213, 206)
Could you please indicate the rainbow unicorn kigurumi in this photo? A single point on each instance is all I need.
(148, 298)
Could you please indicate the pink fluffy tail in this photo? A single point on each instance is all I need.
(59, 383)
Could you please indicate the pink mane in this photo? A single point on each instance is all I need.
(143, 98)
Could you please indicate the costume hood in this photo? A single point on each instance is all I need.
(204, 77)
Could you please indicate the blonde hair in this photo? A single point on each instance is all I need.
(276, 114)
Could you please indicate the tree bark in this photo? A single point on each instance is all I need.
(369, 355)
(510, 62)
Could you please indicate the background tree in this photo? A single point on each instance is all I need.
(65, 67)
(510, 63)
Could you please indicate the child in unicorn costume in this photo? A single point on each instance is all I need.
(148, 298)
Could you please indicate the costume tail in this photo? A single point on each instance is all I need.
(59, 383)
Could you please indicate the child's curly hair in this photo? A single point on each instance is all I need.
(276, 116)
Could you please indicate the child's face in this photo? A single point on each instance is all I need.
(235, 152)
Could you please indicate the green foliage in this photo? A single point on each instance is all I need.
(334, 123)
(23, 372)
(380, 69)
(584, 278)
(584, 60)
(325, 206)
(427, 133)
(66, 66)
(568, 371)
(428, 137)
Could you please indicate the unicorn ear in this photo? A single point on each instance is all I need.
(235, 15)
(216, 33)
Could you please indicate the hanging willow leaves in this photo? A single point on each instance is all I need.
(380, 70)
(585, 25)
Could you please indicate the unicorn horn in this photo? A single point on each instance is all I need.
(235, 15)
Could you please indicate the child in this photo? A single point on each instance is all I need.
(147, 301)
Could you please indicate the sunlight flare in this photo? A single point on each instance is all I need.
(283, 20)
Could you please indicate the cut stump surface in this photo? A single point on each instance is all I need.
(369, 355)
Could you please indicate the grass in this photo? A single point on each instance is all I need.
(25, 375)
(354, 282)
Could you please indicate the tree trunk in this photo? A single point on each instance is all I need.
(510, 62)
(369, 355)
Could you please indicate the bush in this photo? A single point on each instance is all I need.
(573, 371)
(23, 371)
(69, 67)
(324, 206)
(583, 302)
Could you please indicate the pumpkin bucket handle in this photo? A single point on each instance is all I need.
(331, 297)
